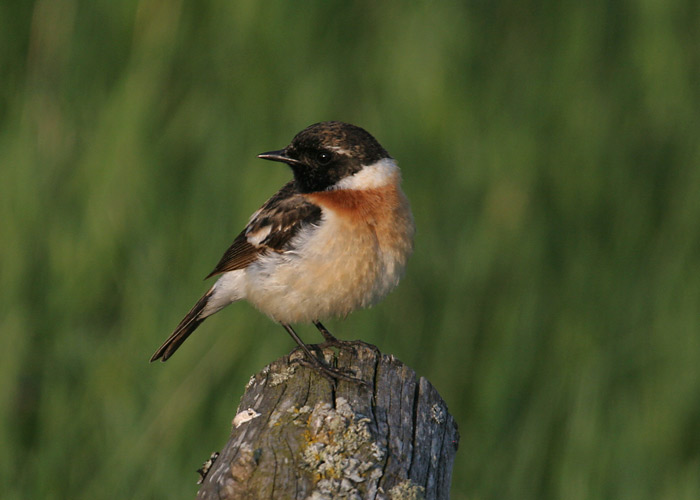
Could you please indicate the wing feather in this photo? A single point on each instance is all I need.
(270, 229)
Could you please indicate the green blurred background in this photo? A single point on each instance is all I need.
(551, 151)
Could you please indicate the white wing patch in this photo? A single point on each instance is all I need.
(257, 237)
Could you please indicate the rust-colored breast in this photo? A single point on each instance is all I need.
(370, 206)
(385, 211)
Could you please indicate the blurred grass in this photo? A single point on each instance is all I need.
(551, 154)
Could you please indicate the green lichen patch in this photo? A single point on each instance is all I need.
(407, 490)
(340, 451)
(277, 378)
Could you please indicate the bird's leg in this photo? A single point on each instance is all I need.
(321, 366)
(331, 341)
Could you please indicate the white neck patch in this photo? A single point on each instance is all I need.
(376, 175)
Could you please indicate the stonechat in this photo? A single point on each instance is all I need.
(333, 239)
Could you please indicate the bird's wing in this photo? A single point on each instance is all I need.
(269, 229)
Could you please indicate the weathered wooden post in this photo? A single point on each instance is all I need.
(295, 436)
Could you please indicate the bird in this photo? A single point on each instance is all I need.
(334, 239)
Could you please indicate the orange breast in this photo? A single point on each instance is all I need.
(371, 206)
(385, 211)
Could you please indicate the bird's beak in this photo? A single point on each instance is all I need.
(280, 155)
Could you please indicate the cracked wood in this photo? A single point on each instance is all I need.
(297, 436)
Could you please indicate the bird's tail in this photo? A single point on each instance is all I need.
(188, 324)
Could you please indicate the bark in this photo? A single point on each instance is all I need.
(297, 436)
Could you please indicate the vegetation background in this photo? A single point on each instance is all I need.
(551, 151)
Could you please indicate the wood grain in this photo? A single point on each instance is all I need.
(299, 437)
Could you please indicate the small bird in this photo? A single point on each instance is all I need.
(334, 239)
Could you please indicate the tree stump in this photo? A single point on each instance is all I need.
(296, 436)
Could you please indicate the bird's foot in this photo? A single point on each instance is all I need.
(320, 365)
(325, 370)
(332, 341)
(347, 344)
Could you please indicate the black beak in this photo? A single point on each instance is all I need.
(280, 155)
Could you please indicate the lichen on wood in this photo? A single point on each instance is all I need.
(299, 436)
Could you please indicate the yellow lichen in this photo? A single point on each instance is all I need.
(407, 490)
(339, 450)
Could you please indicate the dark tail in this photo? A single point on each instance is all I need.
(188, 324)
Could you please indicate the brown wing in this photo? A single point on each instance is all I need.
(270, 229)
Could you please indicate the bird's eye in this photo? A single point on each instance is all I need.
(324, 157)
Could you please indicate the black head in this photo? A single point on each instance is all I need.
(326, 152)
